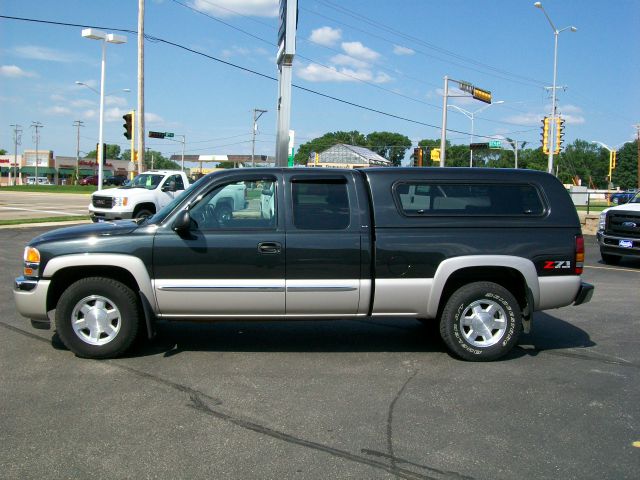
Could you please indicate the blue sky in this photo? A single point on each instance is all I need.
(386, 55)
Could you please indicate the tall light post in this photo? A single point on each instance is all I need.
(257, 113)
(94, 34)
(611, 158)
(471, 116)
(556, 33)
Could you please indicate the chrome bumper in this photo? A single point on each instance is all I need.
(31, 298)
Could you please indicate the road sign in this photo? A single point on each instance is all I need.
(479, 146)
(168, 134)
(495, 144)
(157, 134)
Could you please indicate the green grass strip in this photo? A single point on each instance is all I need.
(23, 221)
(51, 188)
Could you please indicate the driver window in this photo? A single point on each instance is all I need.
(237, 205)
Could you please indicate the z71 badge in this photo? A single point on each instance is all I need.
(556, 264)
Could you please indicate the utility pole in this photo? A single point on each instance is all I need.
(637, 127)
(443, 133)
(17, 140)
(78, 124)
(140, 84)
(37, 126)
(255, 127)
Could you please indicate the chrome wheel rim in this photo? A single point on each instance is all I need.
(483, 323)
(96, 320)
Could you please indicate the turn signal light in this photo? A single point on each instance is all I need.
(579, 254)
(31, 255)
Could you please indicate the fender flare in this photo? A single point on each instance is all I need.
(132, 264)
(448, 267)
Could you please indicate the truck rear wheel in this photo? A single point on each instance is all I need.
(481, 321)
(97, 317)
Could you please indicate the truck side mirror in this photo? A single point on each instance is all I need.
(182, 223)
(267, 192)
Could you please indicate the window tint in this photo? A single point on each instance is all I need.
(468, 199)
(237, 205)
(178, 180)
(320, 205)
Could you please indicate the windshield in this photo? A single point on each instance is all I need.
(167, 209)
(636, 198)
(150, 181)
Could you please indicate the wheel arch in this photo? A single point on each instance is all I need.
(145, 205)
(64, 270)
(518, 275)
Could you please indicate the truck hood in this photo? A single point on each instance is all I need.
(117, 227)
(121, 192)
(628, 207)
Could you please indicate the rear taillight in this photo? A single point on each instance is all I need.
(579, 254)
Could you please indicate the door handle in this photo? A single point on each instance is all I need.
(269, 247)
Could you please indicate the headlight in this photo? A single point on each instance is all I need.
(603, 221)
(120, 201)
(31, 262)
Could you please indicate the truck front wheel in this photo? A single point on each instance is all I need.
(142, 212)
(97, 317)
(481, 321)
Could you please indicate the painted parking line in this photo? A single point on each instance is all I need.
(613, 268)
(55, 212)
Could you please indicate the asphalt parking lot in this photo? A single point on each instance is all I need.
(352, 399)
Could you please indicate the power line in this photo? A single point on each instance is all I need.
(245, 69)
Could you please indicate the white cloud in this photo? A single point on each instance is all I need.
(91, 113)
(326, 36)
(400, 50)
(113, 101)
(83, 103)
(153, 118)
(58, 110)
(346, 60)
(230, 8)
(13, 71)
(235, 51)
(358, 50)
(114, 114)
(317, 73)
(35, 52)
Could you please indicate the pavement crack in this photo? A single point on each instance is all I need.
(390, 419)
(446, 473)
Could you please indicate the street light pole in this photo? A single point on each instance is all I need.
(255, 127)
(17, 140)
(94, 34)
(556, 33)
(471, 116)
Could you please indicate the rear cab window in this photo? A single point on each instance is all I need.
(487, 199)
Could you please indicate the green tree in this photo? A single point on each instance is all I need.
(625, 174)
(330, 139)
(3, 151)
(392, 146)
(583, 161)
(159, 161)
(113, 152)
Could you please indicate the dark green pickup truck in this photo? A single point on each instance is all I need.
(478, 250)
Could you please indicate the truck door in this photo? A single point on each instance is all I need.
(172, 186)
(231, 263)
(323, 254)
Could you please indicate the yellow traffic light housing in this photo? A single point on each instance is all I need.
(482, 95)
(435, 154)
(559, 135)
(545, 135)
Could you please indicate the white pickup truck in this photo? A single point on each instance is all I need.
(147, 193)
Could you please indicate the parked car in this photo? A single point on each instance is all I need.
(475, 250)
(91, 180)
(38, 181)
(619, 198)
(116, 180)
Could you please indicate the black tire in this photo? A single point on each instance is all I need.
(113, 323)
(143, 212)
(610, 259)
(481, 321)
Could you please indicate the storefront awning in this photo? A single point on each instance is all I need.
(41, 171)
(66, 171)
(87, 171)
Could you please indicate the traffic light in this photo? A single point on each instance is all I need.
(559, 134)
(128, 125)
(482, 95)
(435, 154)
(104, 153)
(545, 135)
(417, 157)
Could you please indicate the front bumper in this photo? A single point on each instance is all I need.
(107, 215)
(584, 293)
(611, 244)
(30, 297)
